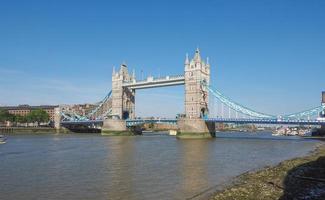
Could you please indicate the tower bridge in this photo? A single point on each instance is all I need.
(116, 112)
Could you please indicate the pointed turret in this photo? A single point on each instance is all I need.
(197, 56)
(187, 60)
(113, 70)
(123, 68)
(133, 74)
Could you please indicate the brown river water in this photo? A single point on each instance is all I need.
(152, 166)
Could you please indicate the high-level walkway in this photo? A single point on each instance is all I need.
(152, 82)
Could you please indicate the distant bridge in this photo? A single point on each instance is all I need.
(308, 117)
(136, 122)
(119, 103)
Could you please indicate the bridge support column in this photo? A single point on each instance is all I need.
(116, 127)
(57, 118)
(195, 128)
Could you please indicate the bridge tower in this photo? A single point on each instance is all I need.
(123, 102)
(196, 102)
(123, 99)
(196, 97)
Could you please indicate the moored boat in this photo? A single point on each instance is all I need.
(2, 139)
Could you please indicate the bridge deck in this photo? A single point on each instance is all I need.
(133, 122)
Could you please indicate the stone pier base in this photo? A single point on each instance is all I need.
(57, 119)
(195, 128)
(114, 127)
(117, 127)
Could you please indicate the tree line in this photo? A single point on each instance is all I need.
(33, 116)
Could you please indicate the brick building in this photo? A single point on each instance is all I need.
(23, 110)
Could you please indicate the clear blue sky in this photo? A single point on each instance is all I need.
(266, 54)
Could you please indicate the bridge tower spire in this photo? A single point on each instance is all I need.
(197, 56)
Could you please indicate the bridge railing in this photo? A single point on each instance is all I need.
(268, 121)
(132, 122)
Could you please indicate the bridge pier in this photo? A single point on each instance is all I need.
(195, 128)
(113, 126)
(118, 127)
(57, 119)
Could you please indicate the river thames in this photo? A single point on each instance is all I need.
(152, 166)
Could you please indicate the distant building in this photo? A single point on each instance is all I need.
(80, 109)
(323, 97)
(23, 110)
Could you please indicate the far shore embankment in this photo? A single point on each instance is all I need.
(30, 130)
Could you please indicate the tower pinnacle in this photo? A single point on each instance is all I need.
(197, 56)
(133, 74)
(187, 60)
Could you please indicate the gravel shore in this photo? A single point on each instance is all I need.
(299, 178)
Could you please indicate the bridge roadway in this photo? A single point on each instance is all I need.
(135, 122)
(267, 121)
(152, 82)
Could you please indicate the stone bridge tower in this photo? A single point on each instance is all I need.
(196, 96)
(123, 99)
(196, 100)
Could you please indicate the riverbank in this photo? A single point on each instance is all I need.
(31, 130)
(299, 178)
